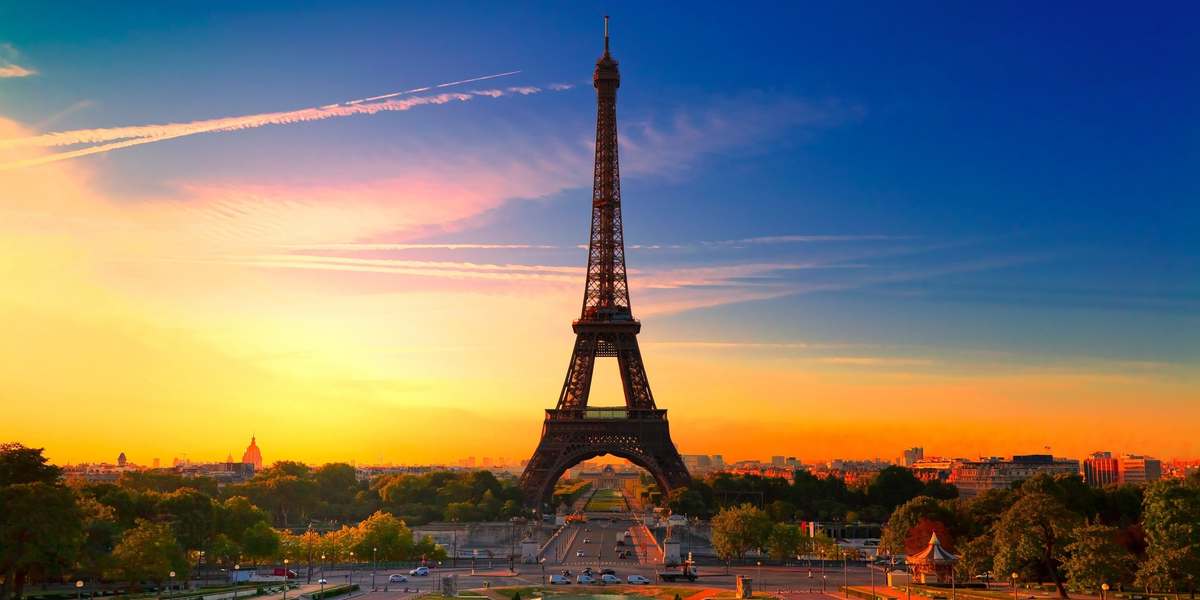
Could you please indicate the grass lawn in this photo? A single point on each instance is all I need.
(606, 501)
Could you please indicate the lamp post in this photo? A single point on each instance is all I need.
(872, 572)
(350, 569)
(322, 566)
(285, 578)
(78, 589)
(846, 574)
(1104, 591)
(236, 580)
(171, 587)
(1014, 584)
(374, 566)
(543, 563)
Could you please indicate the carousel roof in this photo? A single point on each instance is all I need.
(934, 553)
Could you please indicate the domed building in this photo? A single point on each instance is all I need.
(252, 455)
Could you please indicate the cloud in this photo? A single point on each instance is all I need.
(12, 70)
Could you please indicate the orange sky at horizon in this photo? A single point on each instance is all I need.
(140, 328)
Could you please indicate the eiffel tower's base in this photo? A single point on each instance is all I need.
(571, 436)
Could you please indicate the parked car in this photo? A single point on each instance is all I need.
(585, 580)
(587, 540)
(397, 578)
(322, 581)
(586, 571)
(559, 580)
(607, 572)
(579, 553)
(419, 571)
(637, 580)
(609, 579)
(282, 572)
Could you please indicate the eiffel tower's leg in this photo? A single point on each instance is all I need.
(578, 382)
(633, 373)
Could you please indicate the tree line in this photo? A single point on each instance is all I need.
(151, 523)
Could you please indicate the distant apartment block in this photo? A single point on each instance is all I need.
(974, 477)
(1139, 469)
(1101, 469)
(910, 457)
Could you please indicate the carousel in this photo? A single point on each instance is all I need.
(933, 564)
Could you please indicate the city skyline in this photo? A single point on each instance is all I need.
(369, 247)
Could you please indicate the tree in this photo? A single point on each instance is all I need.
(236, 515)
(738, 530)
(1171, 518)
(149, 552)
(894, 486)
(1095, 558)
(1034, 532)
(192, 516)
(686, 501)
(906, 517)
(101, 534)
(41, 530)
(785, 541)
(975, 557)
(260, 542)
(19, 464)
(387, 536)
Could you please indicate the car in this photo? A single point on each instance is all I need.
(637, 580)
(585, 580)
(419, 571)
(587, 540)
(607, 572)
(559, 580)
(586, 571)
(322, 581)
(397, 578)
(609, 578)
(579, 553)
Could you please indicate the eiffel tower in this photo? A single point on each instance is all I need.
(573, 431)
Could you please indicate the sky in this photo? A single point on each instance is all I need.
(353, 229)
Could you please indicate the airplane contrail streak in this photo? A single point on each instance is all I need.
(109, 134)
(123, 137)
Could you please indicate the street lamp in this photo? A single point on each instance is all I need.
(171, 588)
(350, 571)
(236, 580)
(374, 565)
(1104, 591)
(322, 566)
(285, 578)
(758, 574)
(1014, 584)
(78, 589)
(543, 563)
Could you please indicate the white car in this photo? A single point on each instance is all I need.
(637, 580)
(419, 571)
(609, 579)
(579, 553)
(397, 578)
(322, 581)
(559, 580)
(585, 580)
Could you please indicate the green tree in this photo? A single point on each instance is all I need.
(1171, 519)
(41, 531)
(148, 552)
(785, 541)
(738, 530)
(101, 534)
(907, 516)
(222, 550)
(686, 501)
(1034, 532)
(975, 557)
(236, 515)
(894, 486)
(1096, 558)
(388, 536)
(19, 464)
(192, 516)
(260, 542)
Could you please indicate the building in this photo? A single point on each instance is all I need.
(121, 459)
(1101, 469)
(909, 457)
(252, 455)
(1139, 469)
(976, 476)
(934, 468)
(777, 461)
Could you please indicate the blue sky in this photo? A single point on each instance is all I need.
(991, 187)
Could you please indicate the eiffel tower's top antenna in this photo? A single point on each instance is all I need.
(606, 35)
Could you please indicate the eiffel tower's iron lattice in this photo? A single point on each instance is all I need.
(573, 431)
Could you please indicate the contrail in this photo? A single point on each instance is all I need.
(114, 138)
